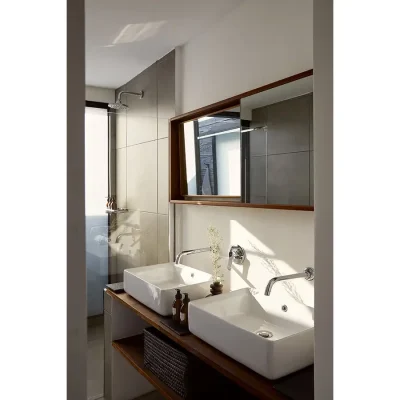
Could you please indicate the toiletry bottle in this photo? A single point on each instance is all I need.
(184, 310)
(114, 203)
(111, 203)
(176, 306)
(108, 203)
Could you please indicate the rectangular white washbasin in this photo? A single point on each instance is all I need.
(155, 285)
(239, 323)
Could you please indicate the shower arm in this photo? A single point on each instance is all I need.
(140, 95)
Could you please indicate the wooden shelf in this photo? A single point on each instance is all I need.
(132, 349)
(249, 380)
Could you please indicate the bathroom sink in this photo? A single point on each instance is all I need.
(155, 285)
(256, 331)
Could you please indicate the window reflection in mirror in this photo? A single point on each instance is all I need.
(212, 155)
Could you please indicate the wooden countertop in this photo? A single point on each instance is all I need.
(249, 380)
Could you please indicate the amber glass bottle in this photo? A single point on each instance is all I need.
(176, 306)
(185, 310)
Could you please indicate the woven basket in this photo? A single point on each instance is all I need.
(185, 374)
(167, 361)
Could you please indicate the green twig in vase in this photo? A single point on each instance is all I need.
(215, 241)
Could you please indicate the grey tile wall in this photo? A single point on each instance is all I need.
(289, 126)
(142, 166)
(287, 146)
(289, 178)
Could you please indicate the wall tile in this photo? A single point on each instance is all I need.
(311, 178)
(258, 175)
(311, 122)
(163, 240)
(163, 178)
(121, 127)
(163, 128)
(258, 199)
(121, 177)
(288, 178)
(142, 177)
(146, 81)
(166, 85)
(258, 142)
(140, 129)
(289, 126)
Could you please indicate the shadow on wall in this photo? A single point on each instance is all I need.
(277, 242)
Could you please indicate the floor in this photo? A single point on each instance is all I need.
(95, 362)
(95, 359)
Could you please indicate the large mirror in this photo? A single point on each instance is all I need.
(277, 137)
(254, 150)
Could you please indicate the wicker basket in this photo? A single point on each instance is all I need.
(185, 374)
(167, 361)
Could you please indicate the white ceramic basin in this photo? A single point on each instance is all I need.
(232, 322)
(155, 285)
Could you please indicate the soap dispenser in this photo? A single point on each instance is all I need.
(185, 310)
(176, 306)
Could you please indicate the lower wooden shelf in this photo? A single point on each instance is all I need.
(132, 349)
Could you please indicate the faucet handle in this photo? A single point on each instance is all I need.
(236, 254)
(309, 273)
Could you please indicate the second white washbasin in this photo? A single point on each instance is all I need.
(271, 337)
(155, 285)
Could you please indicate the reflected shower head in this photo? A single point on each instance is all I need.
(118, 105)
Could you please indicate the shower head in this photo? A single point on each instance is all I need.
(118, 105)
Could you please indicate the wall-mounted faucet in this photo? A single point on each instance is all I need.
(188, 252)
(308, 274)
(236, 254)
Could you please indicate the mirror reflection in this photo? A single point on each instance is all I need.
(260, 152)
(212, 155)
(277, 136)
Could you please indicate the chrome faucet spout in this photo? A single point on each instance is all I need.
(308, 274)
(188, 252)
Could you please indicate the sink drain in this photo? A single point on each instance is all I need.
(265, 334)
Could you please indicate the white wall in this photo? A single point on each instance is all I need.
(323, 166)
(100, 94)
(272, 40)
(260, 41)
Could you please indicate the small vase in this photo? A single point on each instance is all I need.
(216, 288)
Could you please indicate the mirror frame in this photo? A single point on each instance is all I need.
(177, 178)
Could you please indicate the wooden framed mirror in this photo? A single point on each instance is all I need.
(251, 150)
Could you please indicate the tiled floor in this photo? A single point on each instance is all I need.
(95, 358)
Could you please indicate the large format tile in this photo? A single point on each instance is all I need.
(289, 178)
(163, 128)
(140, 246)
(166, 85)
(121, 177)
(311, 178)
(311, 122)
(120, 126)
(142, 177)
(146, 81)
(163, 179)
(258, 143)
(140, 129)
(163, 240)
(289, 126)
(258, 175)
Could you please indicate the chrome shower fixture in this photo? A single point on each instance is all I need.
(118, 105)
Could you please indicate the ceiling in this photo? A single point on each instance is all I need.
(124, 37)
